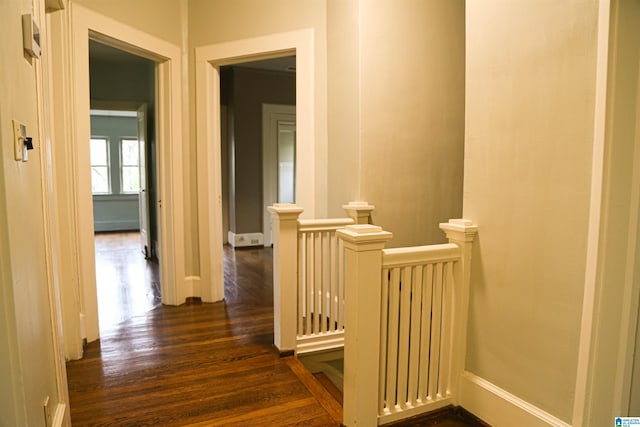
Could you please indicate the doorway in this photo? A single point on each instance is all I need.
(257, 146)
(123, 181)
(209, 61)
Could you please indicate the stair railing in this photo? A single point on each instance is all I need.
(308, 278)
(406, 314)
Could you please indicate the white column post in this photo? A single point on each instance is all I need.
(363, 272)
(285, 275)
(462, 233)
(360, 212)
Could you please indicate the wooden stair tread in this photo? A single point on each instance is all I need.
(326, 399)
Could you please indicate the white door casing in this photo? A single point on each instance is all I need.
(208, 60)
(88, 24)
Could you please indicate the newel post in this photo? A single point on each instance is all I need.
(461, 232)
(363, 246)
(285, 274)
(360, 212)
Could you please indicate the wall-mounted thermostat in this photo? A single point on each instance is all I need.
(30, 36)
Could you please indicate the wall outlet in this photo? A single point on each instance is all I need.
(47, 412)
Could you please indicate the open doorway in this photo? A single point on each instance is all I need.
(258, 129)
(123, 181)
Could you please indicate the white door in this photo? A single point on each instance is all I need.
(143, 198)
(278, 160)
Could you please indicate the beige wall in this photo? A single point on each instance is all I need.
(343, 99)
(160, 18)
(27, 361)
(412, 115)
(530, 84)
(216, 21)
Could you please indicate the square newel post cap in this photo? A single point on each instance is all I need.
(285, 210)
(358, 211)
(364, 236)
(459, 229)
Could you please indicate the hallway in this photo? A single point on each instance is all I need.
(197, 364)
(200, 364)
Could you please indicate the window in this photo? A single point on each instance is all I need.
(130, 165)
(99, 149)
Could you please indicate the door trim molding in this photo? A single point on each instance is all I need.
(87, 24)
(209, 58)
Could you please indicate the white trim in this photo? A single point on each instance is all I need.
(170, 169)
(498, 407)
(242, 240)
(58, 415)
(208, 60)
(405, 413)
(592, 269)
(319, 342)
(117, 225)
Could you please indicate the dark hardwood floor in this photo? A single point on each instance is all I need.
(201, 364)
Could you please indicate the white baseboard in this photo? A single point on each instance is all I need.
(245, 239)
(500, 408)
(116, 225)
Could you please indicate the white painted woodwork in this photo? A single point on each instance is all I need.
(242, 240)
(363, 268)
(498, 407)
(321, 287)
(285, 249)
(208, 59)
(143, 196)
(84, 24)
(417, 299)
(359, 211)
(311, 290)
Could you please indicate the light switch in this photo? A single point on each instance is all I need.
(19, 134)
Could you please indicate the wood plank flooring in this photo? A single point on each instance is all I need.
(127, 284)
(203, 364)
(199, 364)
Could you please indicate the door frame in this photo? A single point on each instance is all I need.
(86, 24)
(209, 59)
(271, 113)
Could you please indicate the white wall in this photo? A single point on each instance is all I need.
(530, 96)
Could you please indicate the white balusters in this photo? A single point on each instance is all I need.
(422, 316)
(309, 287)
(321, 285)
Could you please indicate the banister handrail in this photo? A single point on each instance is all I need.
(397, 257)
(406, 323)
(308, 277)
(308, 225)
